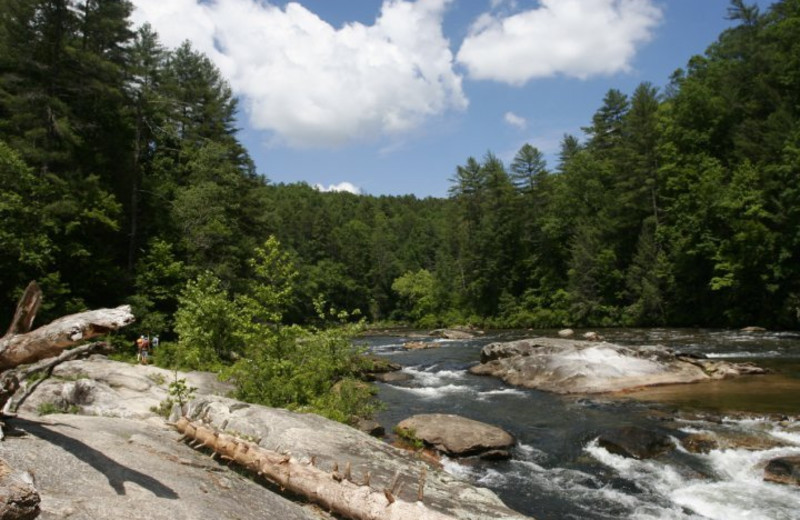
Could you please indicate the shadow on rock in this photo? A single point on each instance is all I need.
(116, 473)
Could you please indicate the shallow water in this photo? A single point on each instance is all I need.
(558, 470)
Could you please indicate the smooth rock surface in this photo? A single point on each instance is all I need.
(458, 436)
(568, 366)
(99, 386)
(101, 468)
(331, 444)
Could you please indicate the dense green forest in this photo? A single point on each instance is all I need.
(123, 181)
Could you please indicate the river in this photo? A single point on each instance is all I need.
(558, 471)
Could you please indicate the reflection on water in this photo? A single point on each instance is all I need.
(558, 471)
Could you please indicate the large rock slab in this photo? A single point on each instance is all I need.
(457, 436)
(99, 386)
(331, 444)
(568, 366)
(101, 468)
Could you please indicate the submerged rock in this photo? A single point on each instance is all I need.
(392, 377)
(458, 436)
(699, 443)
(568, 366)
(783, 470)
(419, 345)
(635, 442)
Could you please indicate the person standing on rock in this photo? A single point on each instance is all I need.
(144, 349)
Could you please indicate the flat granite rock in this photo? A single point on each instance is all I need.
(569, 366)
(101, 468)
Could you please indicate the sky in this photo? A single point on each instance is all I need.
(388, 97)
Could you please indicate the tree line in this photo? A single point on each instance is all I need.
(123, 180)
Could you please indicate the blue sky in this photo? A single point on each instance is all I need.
(389, 97)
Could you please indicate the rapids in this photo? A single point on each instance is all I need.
(559, 471)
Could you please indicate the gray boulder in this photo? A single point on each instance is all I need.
(458, 436)
(568, 366)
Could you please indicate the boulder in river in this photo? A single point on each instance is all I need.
(458, 436)
(566, 333)
(783, 470)
(392, 377)
(635, 442)
(699, 443)
(452, 334)
(568, 366)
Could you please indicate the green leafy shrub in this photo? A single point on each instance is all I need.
(51, 408)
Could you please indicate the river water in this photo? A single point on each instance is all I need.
(558, 470)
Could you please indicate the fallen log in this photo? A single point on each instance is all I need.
(333, 491)
(49, 340)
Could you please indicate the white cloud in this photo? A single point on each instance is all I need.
(314, 85)
(577, 38)
(514, 120)
(342, 186)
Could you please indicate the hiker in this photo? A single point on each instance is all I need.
(143, 343)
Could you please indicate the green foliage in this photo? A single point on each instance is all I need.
(418, 296)
(180, 393)
(207, 323)
(408, 438)
(47, 408)
(119, 164)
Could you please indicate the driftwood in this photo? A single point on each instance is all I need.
(49, 340)
(333, 491)
(22, 346)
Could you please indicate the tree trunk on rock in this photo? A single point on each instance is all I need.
(334, 491)
(22, 346)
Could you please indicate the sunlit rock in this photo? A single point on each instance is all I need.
(458, 436)
(568, 366)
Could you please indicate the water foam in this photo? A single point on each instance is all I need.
(505, 391)
(738, 492)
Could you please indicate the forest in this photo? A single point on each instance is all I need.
(123, 181)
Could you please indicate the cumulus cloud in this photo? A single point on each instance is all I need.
(342, 186)
(314, 85)
(576, 38)
(514, 120)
